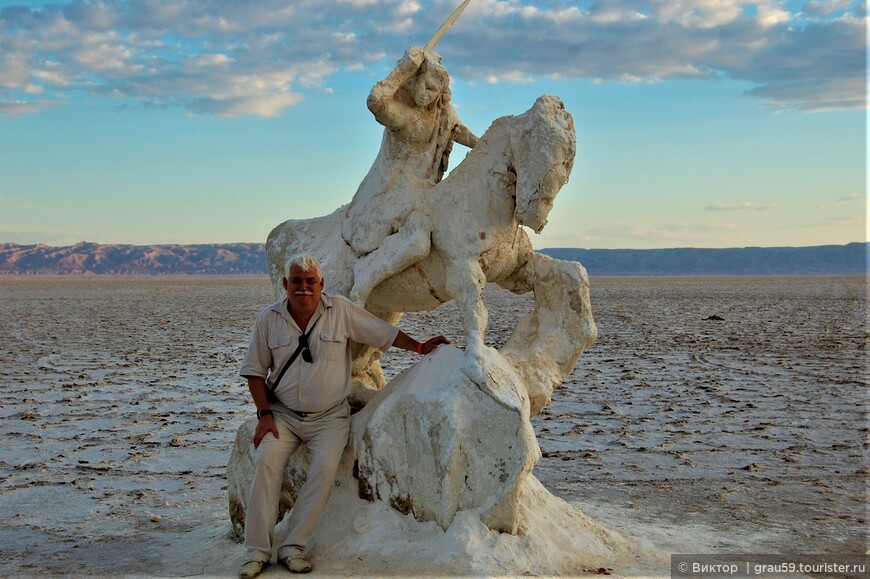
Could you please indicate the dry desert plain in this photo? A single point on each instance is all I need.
(119, 401)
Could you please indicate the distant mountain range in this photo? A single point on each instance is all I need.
(850, 259)
(95, 259)
(250, 259)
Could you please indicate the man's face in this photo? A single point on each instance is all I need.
(304, 288)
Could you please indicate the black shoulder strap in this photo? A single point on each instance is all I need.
(270, 385)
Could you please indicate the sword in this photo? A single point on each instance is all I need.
(446, 26)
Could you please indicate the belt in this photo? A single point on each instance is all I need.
(304, 415)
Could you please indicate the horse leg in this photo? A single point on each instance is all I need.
(465, 282)
(547, 343)
(396, 252)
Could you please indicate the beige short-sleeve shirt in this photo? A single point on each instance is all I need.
(317, 386)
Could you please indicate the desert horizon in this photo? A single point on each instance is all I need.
(250, 259)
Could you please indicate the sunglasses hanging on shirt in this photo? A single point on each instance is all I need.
(306, 351)
(306, 356)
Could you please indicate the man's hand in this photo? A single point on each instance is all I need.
(264, 426)
(257, 386)
(406, 342)
(432, 343)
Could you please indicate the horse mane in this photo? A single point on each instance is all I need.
(489, 150)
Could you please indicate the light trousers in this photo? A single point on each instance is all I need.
(325, 437)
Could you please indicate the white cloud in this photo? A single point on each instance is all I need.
(15, 70)
(142, 49)
(409, 8)
(851, 221)
(564, 15)
(260, 105)
(19, 108)
(771, 15)
(359, 3)
(825, 8)
(52, 75)
(93, 15)
(509, 76)
(103, 53)
(849, 199)
(207, 60)
(697, 13)
(727, 207)
(663, 235)
(740, 207)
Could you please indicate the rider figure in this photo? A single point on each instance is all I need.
(381, 225)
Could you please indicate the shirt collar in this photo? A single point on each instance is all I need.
(325, 300)
(283, 310)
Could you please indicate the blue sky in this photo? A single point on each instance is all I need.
(700, 123)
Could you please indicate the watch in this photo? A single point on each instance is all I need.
(262, 413)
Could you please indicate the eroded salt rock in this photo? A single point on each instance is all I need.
(432, 444)
(441, 468)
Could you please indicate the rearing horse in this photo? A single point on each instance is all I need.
(464, 232)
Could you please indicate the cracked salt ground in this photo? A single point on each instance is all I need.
(119, 401)
(754, 425)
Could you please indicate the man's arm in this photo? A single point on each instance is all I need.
(257, 386)
(406, 342)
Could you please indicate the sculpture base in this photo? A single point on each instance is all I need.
(356, 537)
(437, 479)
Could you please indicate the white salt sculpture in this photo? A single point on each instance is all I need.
(451, 434)
(463, 233)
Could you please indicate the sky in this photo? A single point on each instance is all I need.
(700, 123)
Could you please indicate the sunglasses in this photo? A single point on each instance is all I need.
(306, 352)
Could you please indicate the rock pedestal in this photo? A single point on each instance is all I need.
(443, 467)
(434, 443)
(431, 444)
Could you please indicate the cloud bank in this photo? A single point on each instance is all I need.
(741, 207)
(244, 57)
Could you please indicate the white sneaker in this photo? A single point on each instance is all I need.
(250, 569)
(296, 564)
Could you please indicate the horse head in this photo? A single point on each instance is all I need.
(543, 151)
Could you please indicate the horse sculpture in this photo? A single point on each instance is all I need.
(465, 232)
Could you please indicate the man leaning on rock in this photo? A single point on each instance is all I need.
(304, 403)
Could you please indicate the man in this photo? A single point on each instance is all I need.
(310, 403)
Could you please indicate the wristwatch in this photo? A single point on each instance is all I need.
(262, 413)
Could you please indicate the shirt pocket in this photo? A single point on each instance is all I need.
(332, 347)
(282, 345)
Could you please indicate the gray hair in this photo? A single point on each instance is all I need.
(305, 261)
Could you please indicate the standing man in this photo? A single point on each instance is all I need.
(308, 403)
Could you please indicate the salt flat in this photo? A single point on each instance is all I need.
(119, 401)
